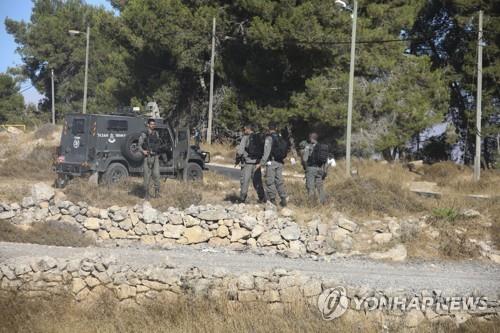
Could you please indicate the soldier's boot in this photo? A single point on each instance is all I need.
(146, 195)
(283, 202)
(157, 193)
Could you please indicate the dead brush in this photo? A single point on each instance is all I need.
(130, 192)
(224, 150)
(370, 196)
(188, 314)
(37, 165)
(46, 233)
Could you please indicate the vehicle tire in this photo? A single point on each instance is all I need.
(130, 148)
(115, 173)
(193, 172)
(61, 182)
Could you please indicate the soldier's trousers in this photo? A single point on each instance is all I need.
(314, 182)
(275, 184)
(151, 171)
(249, 172)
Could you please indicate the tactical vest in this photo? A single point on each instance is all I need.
(152, 142)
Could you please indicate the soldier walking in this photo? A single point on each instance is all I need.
(149, 144)
(315, 157)
(275, 151)
(248, 154)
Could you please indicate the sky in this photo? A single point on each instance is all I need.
(21, 10)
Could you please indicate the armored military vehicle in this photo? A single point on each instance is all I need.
(105, 147)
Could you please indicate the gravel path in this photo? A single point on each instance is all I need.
(452, 278)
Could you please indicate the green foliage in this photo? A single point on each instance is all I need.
(286, 61)
(11, 100)
(445, 214)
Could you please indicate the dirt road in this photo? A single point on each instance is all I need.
(452, 278)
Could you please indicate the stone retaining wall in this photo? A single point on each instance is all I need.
(235, 226)
(86, 278)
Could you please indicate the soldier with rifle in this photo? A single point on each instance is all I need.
(150, 146)
(248, 155)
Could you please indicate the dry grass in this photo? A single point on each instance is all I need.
(220, 151)
(459, 179)
(36, 165)
(174, 193)
(59, 314)
(48, 233)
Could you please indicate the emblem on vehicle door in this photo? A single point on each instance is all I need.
(111, 138)
(76, 142)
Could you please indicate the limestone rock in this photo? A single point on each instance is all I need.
(246, 282)
(77, 285)
(126, 224)
(92, 223)
(219, 242)
(117, 233)
(27, 202)
(297, 247)
(382, 238)
(190, 221)
(213, 215)
(397, 253)
(290, 233)
(258, 230)
(268, 238)
(197, 234)
(222, 231)
(173, 231)
(339, 234)
(149, 214)
(125, 291)
(347, 224)
(248, 222)
(239, 233)
(42, 192)
(7, 215)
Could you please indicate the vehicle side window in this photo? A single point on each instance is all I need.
(78, 126)
(117, 125)
(182, 135)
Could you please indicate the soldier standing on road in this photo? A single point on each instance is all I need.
(149, 144)
(249, 153)
(275, 151)
(315, 167)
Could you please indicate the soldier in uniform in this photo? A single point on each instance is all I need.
(149, 144)
(315, 173)
(275, 149)
(248, 154)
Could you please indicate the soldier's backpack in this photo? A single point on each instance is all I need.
(319, 155)
(255, 148)
(279, 149)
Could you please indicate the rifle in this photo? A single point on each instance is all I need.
(239, 160)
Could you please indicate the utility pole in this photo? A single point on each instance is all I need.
(86, 71)
(53, 98)
(351, 90)
(211, 98)
(477, 158)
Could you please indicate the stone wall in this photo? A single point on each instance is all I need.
(88, 277)
(235, 226)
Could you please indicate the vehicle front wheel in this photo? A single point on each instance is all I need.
(193, 172)
(115, 173)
